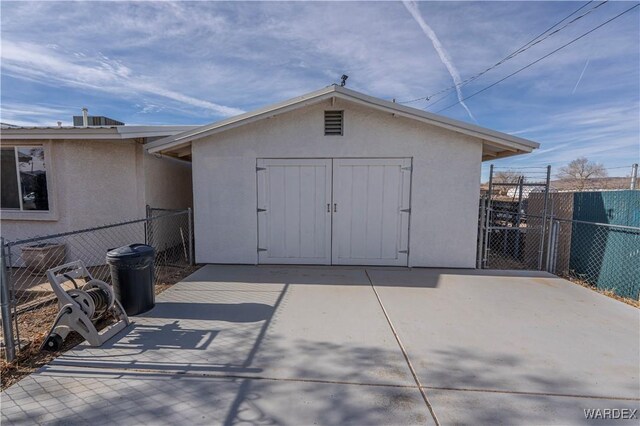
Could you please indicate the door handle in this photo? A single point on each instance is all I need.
(328, 207)
(335, 207)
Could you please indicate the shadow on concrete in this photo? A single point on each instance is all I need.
(130, 397)
(167, 336)
(230, 399)
(190, 399)
(476, 380)
(269, 277)
(230, 312)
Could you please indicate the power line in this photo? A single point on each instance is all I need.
(534, 41)
(540, 59)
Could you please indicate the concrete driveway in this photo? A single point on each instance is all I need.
(334, 345)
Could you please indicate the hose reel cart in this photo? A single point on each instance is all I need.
(82, 307)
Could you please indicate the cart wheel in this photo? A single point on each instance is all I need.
(53, 343)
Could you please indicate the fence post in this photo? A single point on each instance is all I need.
(147, 225)
(634, 176)
(550, 243)
(554, 259)
(485, 251)
(481, 233)
(518, 221)
(189, 212)
(544, 219)
(5, 308)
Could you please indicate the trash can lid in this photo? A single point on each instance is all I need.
(130, 251)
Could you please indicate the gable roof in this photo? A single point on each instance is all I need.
(498, 144)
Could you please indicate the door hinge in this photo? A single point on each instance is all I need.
(404, 251)
(406, 210)
(260, 168)
(406, 169)
(261, 210)
(261, 249)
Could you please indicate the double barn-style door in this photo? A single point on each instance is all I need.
(340, 211)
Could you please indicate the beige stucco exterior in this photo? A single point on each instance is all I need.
(97, 182)
(444, 189)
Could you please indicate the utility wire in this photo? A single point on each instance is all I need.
(541, 58)
(534, 41)
(522, 50)
(529, 46)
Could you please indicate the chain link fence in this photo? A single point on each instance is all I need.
(592, 237)
(28, 303)
(603, 256)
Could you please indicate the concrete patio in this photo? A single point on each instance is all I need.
(350, 345)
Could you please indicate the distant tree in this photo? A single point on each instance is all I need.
(581, 172)
(507, 176)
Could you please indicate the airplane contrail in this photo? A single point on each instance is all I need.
(412, 7)
(580, 78)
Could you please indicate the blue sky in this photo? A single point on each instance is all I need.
(198, 62)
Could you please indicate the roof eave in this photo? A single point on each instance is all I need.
(444, 122)
(62, 133)
(235, 121)
(91, 133)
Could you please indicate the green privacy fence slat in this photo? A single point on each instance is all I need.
(605, 257)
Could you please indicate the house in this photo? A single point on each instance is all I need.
(338, 177)
(60, 179)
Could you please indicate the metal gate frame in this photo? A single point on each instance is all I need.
(488, 218)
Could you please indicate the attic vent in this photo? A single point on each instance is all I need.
(333, 123)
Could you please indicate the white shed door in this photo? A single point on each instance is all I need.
(371, 211)
(294, 218)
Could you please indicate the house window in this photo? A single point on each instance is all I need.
(333, 123)
(24, 179)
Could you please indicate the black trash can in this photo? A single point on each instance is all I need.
(132, 277)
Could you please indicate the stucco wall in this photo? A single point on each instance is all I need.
(168, 182)
(168, 186)
(445, 180)
(94, 183)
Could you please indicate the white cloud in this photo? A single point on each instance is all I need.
(580, 78)
(34, 115)
(601, 133)
(98, 72)
(412, 7)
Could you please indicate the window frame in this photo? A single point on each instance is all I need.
(21, 214)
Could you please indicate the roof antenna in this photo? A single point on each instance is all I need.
(344, 80)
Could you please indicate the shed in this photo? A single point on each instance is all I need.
(337, 177)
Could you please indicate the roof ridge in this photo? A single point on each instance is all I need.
(332, 90)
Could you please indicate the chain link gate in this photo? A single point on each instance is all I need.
(511, 237)
(589, 236)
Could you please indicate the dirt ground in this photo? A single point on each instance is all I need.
(608, 293)
(34, 325)
(497, 261)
